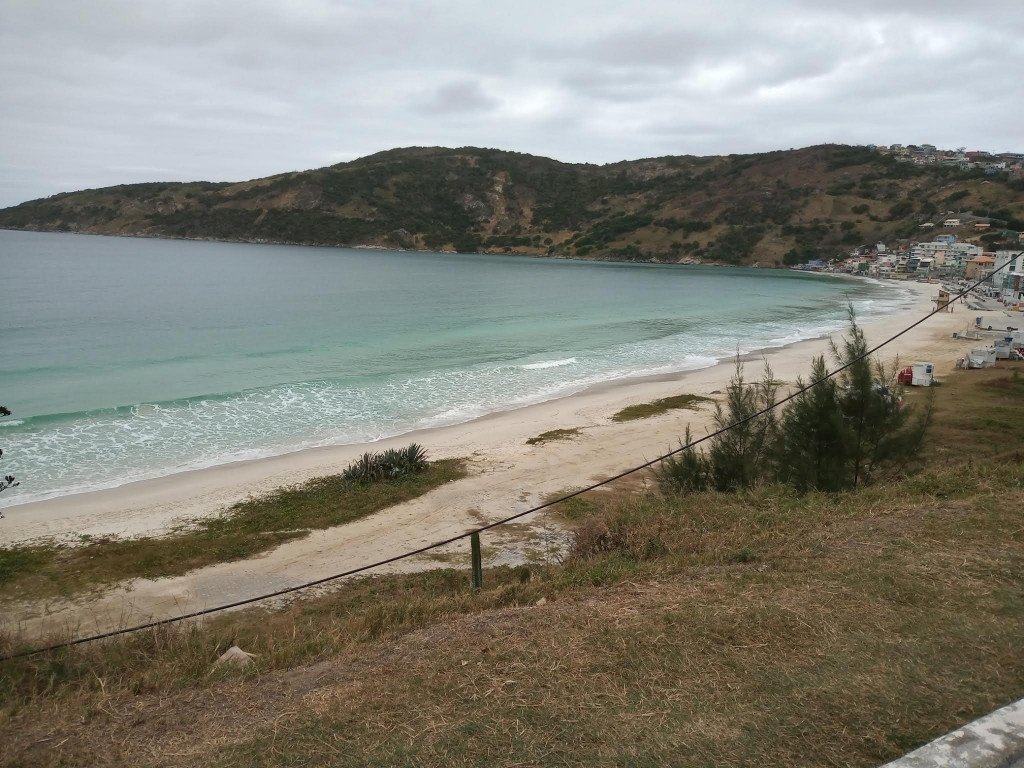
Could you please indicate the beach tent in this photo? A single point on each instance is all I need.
(981, 357)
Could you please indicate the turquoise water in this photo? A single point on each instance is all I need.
(129, 358)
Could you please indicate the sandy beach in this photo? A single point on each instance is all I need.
(506, 476)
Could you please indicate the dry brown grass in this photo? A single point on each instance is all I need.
(721, 629)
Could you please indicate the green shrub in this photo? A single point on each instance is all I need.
(900, 209)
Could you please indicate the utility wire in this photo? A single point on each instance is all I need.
(510, 518)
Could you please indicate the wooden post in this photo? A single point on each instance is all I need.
(478, 567)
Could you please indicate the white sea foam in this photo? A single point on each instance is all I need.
(783, 341)
(548, 364)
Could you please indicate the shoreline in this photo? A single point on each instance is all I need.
(505, 476)
(600, 386)
(685, 261)
(154, 504)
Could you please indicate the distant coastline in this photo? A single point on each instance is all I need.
(685, 262)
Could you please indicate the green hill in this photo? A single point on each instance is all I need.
(738, 209)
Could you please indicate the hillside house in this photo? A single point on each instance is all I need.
(951, 223)
(947, 249)
(956, 258)
(979, 267)
(882, 267)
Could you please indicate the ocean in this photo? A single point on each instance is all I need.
(130, 358)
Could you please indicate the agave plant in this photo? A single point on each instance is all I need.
(391, 464)
(365, 469)
(415, 457)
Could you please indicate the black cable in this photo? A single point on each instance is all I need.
(503, 521)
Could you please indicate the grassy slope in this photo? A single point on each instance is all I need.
(33, 572)
(756, 628)
(736, 209)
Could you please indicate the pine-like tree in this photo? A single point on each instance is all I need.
(739, 456)
(813, 439)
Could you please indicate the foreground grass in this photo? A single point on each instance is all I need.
(740, 629)
(552, 435)
(756, 628)
(246, 529)
(658, 407)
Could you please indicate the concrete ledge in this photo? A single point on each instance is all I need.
(993, 741)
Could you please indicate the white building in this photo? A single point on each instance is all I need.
(1002, 257)
(1009, 275)
(931, 248)
(953, 257)
(882, 267)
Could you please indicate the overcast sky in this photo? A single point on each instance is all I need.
(100, 92)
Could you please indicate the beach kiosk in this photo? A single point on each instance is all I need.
(923, 374)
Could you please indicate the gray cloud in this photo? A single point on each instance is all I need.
(458, 97)
(99, 92)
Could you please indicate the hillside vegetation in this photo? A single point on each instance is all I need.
(765, 209)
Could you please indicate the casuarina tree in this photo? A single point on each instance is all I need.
(739, 456)
(838, 432)
(813, 446)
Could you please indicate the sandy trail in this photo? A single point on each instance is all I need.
(506, 476)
